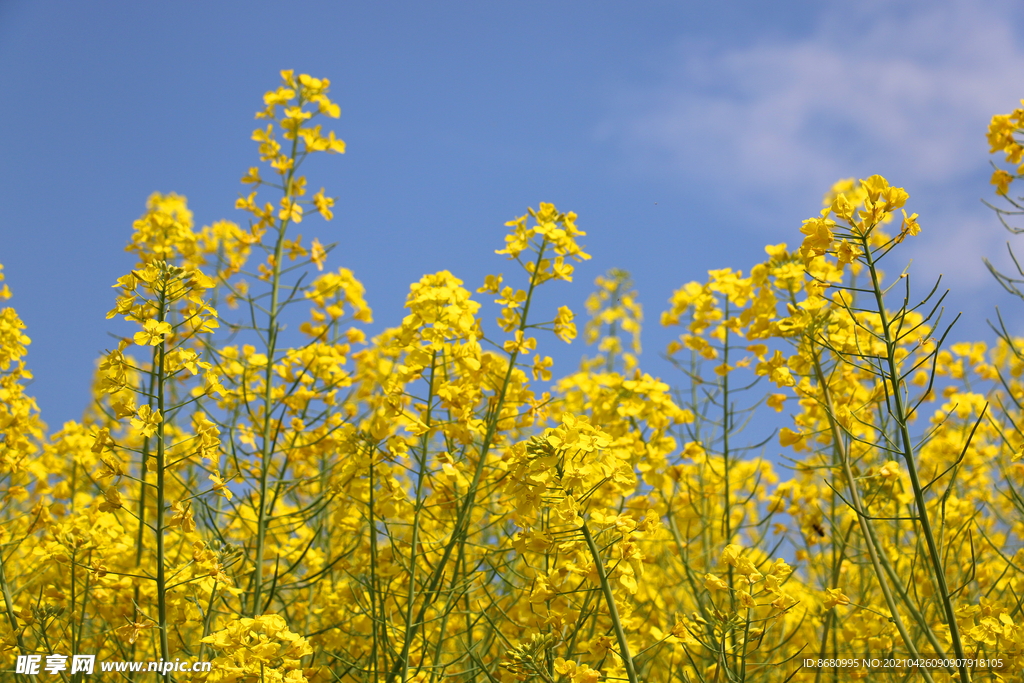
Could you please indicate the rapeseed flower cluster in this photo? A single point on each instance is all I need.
(441, 502)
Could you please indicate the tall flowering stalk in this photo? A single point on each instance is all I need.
(872, 341)
(290, 108)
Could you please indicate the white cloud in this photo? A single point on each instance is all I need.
(912, 93)
(903, 92)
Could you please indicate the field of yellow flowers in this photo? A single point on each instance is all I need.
(437, 504)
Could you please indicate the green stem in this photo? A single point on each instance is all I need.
(161, 577)
(869, 539)
(267, 450)
(609, 598)
(9, 606)
(420, 479)
(908, 455)
(727, 509)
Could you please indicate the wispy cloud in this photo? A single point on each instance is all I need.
(906, 93)
(911, 93)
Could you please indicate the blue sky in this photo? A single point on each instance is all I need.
(685, 135)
